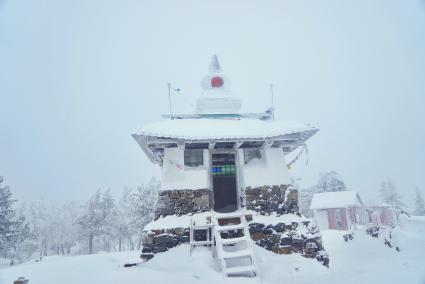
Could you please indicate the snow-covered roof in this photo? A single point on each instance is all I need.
(338, 199)
(218, 124)
(154, 138)
(204, 129)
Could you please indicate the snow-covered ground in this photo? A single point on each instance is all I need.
(362, 260)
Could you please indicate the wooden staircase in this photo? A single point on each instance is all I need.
(201, 234)
(233, 244)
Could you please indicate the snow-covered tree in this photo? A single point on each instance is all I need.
(389, 195)
(16, 240)
(62, 230)
(54, 227)
(110, 226)
(99, 220)
(23, 244)
(125, 212)
(7, 216)
(37, 215)
(143, 204)
(419, 204)
(330, 181)
(91, 220)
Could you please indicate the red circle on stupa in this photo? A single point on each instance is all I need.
(217, 82)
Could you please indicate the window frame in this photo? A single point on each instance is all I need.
(196, 158)
(247, 150)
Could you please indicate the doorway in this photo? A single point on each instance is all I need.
(224, 183)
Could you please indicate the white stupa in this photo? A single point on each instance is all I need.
(217, 97)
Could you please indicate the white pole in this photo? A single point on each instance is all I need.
(272, 94)
(169, 99)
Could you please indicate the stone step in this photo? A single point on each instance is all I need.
(240, 270)
(201, 243)
(201, 227)
(230, 227)
(237, 254)
(229, 215)
(233, 240)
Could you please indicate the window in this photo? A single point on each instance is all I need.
(194, 158)
(224, 170)
(250, 154)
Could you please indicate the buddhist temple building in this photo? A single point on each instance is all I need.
(219, 165)
(218, 151)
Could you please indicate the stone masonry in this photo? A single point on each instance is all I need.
(181, 202)
(296, 237)
(272, 199)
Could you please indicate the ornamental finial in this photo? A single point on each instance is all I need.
(215, 65)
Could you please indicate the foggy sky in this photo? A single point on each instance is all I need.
(78, 77)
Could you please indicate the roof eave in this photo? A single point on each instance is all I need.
(142, 141)
(295, 140)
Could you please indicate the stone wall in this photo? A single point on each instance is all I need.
(155, 241)
(267, 199)
(181, 202)
(296, 237)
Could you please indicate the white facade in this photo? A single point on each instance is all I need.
(175, 175)
(271, 169)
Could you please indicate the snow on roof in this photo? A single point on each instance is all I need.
(198, 129)
(339, 199)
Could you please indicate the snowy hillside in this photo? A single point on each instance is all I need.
(361, 260)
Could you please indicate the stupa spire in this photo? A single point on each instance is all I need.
(215, 65)
(217, 97)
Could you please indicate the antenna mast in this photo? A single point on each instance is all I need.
(169, 99)
(272, 95)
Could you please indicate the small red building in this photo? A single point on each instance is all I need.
(383, 215)
(341, 210)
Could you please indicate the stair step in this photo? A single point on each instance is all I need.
(201, 227)
(201, 243)
(228, 215)
(240, 269)
(233, 240)
(236, 254)
(230, 227)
